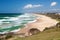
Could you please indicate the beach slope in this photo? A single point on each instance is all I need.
(40, 24)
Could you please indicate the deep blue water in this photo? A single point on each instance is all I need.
(10, 14)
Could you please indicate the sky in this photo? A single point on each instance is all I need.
(23, 6)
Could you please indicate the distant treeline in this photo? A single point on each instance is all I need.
(53, 15)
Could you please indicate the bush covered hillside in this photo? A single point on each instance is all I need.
(53, 15)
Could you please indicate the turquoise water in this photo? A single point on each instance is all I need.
(10, 22)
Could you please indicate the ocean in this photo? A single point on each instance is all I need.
(11, 22)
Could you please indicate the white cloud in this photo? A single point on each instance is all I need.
(28, 6)
(31, 6)
(53, 3)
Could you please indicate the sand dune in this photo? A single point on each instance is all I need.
(41, 23)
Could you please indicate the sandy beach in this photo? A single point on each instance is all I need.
(40, 23)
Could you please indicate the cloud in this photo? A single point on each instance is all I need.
(53, 3)
(31, 6)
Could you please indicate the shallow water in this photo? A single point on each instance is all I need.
(10, 22)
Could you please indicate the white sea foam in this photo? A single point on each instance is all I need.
(13, 18)
(7, 17)
(4, 32)
(16, 30)
(15, 21)
(32, 21)
(1, 21)
(25, 15)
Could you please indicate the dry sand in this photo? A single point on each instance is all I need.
(41, 23)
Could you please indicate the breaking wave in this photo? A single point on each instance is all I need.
(12, 24)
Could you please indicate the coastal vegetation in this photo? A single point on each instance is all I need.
(54, 16)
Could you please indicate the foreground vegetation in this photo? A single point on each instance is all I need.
(50, 34)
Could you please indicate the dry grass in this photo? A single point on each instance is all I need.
(50, 34)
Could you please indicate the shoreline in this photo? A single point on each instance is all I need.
(40, 20)
(16, 30)
(40, 24)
